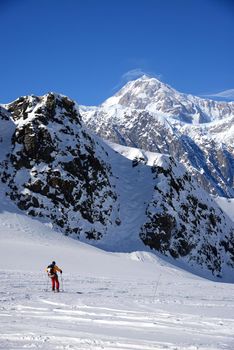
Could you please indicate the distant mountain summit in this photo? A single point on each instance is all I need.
(149, 114)
(118, 198)
(150, 94)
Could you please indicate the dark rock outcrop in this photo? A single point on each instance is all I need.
(56, 169)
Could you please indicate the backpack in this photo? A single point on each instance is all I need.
(51, 272)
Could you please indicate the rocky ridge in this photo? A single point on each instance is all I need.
(53, 172)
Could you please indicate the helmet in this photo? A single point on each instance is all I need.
(53, 263)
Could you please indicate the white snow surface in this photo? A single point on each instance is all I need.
(150, 158)
(108, 301)
(227, 205)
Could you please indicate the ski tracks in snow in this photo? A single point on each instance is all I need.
(104, 314)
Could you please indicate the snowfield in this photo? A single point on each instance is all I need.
(227, 205)
(110, 301)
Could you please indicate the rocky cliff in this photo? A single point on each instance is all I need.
(56, 170)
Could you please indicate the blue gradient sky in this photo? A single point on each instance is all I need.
(87, 49)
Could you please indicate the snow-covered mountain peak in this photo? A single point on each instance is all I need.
(149, 114)
(139, 93)
(151, 95)
(146, 81)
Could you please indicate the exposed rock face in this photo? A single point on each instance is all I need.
(7, 129)
(56, 169)
(183, 224)
(151, 115)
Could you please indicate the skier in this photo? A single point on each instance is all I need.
(52, 273)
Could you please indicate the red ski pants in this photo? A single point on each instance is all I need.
(55, 282)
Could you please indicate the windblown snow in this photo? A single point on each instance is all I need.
(108, 300)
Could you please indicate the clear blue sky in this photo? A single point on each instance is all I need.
(87, 49)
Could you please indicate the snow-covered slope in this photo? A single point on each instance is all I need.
(227, 205)
(109, 301)
(56, 170)
(149, 114)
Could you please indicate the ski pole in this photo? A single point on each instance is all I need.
(156, 287)
(62, 283)
(47, 282)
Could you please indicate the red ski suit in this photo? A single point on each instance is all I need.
(54, 277)
(55, 282)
